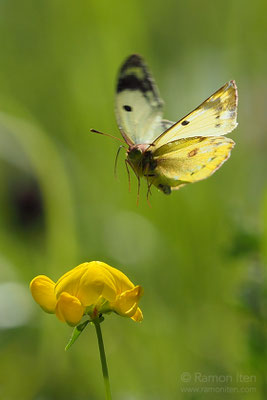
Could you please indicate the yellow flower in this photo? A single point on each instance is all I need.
(92, 288)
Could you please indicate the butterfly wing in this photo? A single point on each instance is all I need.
(138, 106)
(188, 160)
(214, 117)
(162, 126)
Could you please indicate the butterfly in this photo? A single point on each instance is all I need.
(171, 154)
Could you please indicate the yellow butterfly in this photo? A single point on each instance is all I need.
(172, 154)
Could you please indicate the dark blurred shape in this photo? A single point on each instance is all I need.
(245, 242)
(257, 341)
(252, 292)
(25, 202)
(253, 298)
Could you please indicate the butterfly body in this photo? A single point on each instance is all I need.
(144, 164)
(138, 158)
(172, 154)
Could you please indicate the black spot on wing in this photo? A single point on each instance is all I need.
(185, 122)
(217, 125)
(127, 108)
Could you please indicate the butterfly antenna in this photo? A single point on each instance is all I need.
(128, 173)
(116, 161)
(106, 134)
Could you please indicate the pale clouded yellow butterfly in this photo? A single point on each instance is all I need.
(172, 154)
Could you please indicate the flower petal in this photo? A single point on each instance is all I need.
(138, 316)
(69, 309)
(88, 282)
(121, 281)
(42, 289)
(126, 303)
(97, 281)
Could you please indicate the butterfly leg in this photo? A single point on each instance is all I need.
(149, 184)
(127, 162)
(138, 191)
(128, 173)
(116, 161)
(149, 192)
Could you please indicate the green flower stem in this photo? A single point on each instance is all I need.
(102, 358)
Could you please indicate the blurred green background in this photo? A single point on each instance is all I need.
(199, 253)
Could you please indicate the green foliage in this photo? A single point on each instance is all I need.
(76, 333)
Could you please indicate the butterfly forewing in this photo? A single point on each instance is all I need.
(138, 105)
(214, 117)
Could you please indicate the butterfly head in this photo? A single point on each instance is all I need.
(135, 152)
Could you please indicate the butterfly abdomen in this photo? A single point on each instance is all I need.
(149, 168)
(164, 188)
(148, 163)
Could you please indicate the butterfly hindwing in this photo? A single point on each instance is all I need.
(137, 104)
(214, 117)
(188, 160)
(162, 126)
